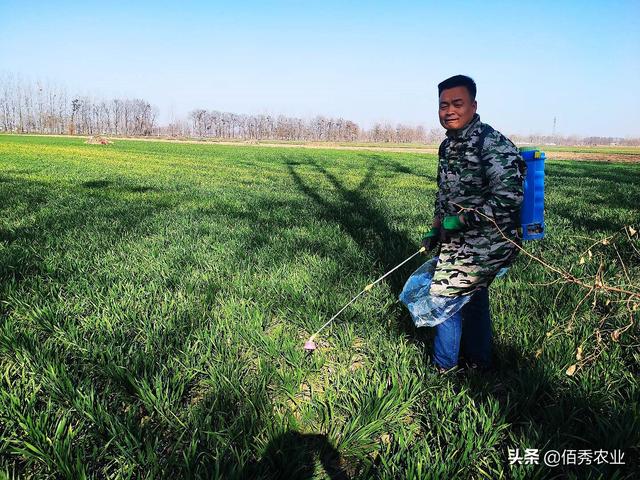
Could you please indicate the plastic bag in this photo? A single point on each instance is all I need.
(428, 310)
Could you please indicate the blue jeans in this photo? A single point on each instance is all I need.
(468, 330)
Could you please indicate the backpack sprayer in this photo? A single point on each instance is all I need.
(531, 221)
(532, 210)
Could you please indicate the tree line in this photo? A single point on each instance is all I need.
(225, 125)
(37, 107)
(42, 108)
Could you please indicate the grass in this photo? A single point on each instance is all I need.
(154, 299)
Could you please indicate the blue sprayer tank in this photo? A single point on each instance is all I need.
(532, 211)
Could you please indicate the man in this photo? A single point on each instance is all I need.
(480, 181)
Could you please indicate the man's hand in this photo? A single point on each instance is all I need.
(431, 239)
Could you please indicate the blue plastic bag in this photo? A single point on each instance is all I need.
(428, 310)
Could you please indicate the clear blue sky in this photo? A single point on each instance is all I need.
(366, 61)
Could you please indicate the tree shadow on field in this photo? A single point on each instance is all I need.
(397, 168)
(292, 455)
(353, 211)
(548, 414)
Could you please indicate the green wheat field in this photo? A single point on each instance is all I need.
(155, 298)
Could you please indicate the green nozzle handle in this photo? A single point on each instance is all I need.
(452, 222)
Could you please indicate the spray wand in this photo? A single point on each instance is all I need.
(310, 345)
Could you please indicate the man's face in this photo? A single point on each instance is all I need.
(456, 108)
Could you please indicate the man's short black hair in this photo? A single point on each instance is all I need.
(459, 81)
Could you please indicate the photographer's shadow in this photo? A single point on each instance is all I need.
(294, 455)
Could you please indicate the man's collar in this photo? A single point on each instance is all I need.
(464, 131)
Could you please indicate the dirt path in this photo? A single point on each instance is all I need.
(595, 157)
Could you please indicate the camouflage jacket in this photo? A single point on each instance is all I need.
(488, 178)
